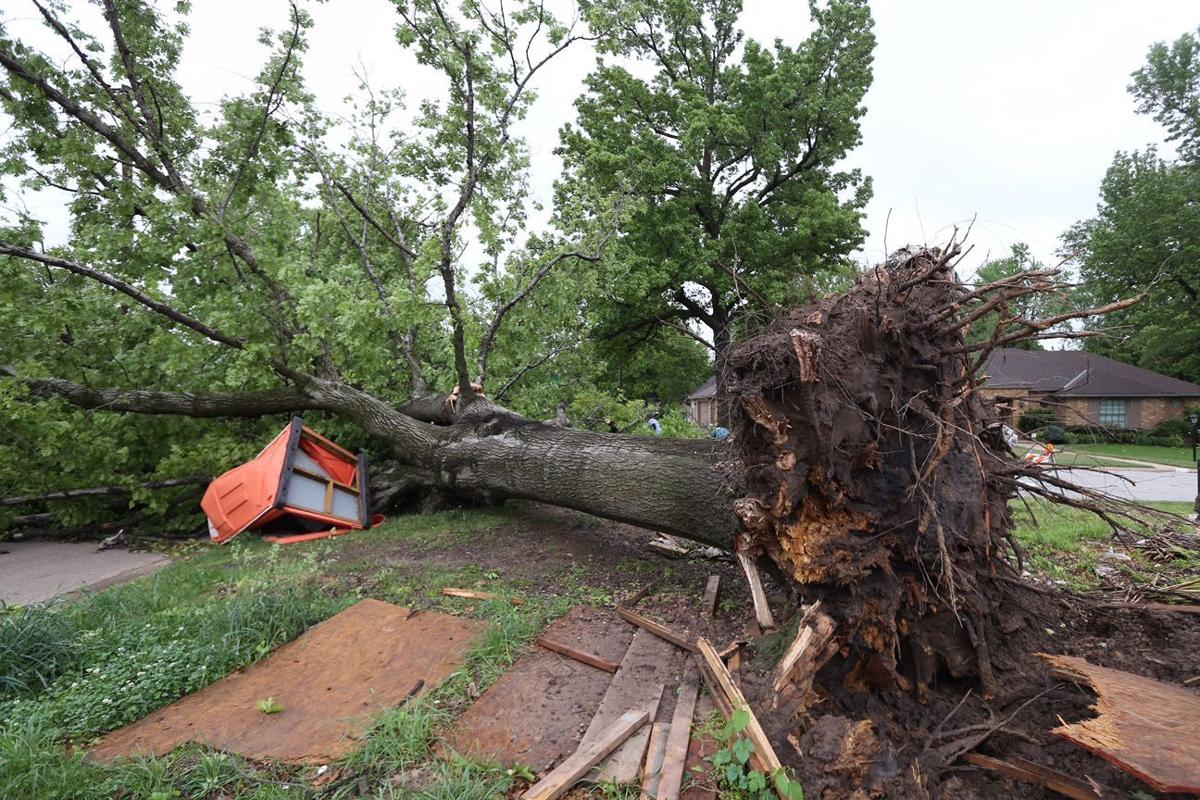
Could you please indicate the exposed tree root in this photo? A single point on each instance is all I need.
(876, 476)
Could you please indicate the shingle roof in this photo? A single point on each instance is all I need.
(709, 389)
(1077, 373)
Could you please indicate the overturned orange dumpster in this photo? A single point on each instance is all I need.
(300, 487)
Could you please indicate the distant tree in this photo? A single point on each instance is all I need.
(729, 155)
(1146, 232)
(1033, 306)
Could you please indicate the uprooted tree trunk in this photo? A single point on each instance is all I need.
(864, 462)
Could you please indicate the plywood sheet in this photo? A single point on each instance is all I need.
(1145, 727)
(329, 681)
(536, 713)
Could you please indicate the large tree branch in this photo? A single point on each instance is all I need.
(100, 491)
(258, 403)
(157, 306)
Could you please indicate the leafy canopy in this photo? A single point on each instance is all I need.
(1146, 232)
(728, 153)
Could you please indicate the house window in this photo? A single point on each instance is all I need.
(1113, 413)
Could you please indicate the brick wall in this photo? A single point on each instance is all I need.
(1156, 410)
(1142, 413)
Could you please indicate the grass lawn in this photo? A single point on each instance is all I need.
(1173, 456)
(1065, 544)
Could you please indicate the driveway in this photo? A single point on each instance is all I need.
(33, 571)
(1147, 484)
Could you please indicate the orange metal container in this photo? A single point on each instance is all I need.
(301, 482)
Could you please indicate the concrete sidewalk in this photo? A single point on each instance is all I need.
(33, 571)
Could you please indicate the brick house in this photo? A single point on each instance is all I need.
(1085, 389)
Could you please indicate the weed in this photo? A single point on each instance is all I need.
(268, 706)
(732, 770)
(400, 738)
(463, 780)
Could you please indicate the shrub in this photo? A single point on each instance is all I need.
(1035, 419)
(1054, 434)
(1177, 431)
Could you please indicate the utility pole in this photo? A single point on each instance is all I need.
(1195, 418)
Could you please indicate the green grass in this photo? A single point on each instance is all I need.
(73, 669)
(1172, 456)
(1065, 544)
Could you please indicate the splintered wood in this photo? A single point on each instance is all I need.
(808, 652)
(1145, 727)
(762, 611)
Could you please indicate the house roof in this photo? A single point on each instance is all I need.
(705, 392)
(1077, 373)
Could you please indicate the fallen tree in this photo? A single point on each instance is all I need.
(864, 463)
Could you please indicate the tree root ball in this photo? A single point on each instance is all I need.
(875, 476)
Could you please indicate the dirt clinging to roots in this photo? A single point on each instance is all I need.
(872, 475)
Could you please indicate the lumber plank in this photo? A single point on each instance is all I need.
(472, 594)
(658, 629)
(648, 665)
(709, 606)
(652, 769)
(1021, 770)
(762, 611)
(568, 773)
(754, 731)
(579, 655)
(680, 735)
(722, 702)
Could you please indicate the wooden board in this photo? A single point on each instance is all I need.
(649, 664)
(1147, 728)
(568, 773)
(709, 605)
(535, 713)
(472, 594)
(581, 656)
(724, 685)
(762, 610)
(679, 736)
(329, 681)
(657, 628)
(652, 767)
(695, 775)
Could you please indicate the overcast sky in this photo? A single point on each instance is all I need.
(1010, 110)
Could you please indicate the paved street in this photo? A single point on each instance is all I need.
(1147, 484)
(34, 571)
